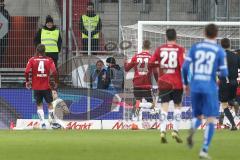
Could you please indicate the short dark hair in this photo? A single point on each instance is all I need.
(146, 44)
(211, 31)
(40, 49)
(225, 43)
(171, 34)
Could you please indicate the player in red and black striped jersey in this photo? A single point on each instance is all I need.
(41, 67)
(142, 82)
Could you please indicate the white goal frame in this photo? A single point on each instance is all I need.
(180, 23)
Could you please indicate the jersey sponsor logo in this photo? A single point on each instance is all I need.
(202, 77)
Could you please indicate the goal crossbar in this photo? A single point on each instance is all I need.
(175, 23)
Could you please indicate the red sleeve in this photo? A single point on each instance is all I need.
(154, 59)
(28, 69)
(131, 64)
(181, 57)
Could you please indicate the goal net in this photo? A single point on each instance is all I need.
(188, 32)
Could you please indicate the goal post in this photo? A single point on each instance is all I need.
(190, 31)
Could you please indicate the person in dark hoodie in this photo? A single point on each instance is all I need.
(4, 38)
(91, 21)
(50, 36)
(114, 75)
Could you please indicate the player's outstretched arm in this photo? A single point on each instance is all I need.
(130, 65)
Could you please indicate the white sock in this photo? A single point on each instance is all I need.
(176, 119)
(145, 105)
(164, 120)
(41, 115)
(51, 116)
(140, 114)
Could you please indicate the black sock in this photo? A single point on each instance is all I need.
(229, 116)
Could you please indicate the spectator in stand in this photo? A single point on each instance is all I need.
(115, 75)
(3, 38)
(98, 76)
(91, 21)
(50, 36)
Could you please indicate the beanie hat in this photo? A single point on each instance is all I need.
(111, 60)
(49, 19)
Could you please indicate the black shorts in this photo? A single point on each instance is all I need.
(140, 93)
(168, 95)
(227, 91)
(40, 94)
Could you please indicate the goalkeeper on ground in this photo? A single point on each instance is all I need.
(59, 109)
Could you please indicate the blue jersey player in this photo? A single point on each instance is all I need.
(207, 58)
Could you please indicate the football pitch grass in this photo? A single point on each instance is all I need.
(111, 145)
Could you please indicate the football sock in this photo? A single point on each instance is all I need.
(145, 105)
(209, 132)
(41, 115)
(229, 116)
(163, 124)
(140, 115)
(176, 119)
(196, 122)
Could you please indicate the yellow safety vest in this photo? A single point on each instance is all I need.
(91, 22)
(50, 39)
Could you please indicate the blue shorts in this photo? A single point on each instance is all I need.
(206, 104)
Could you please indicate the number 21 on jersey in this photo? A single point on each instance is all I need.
(142, 65)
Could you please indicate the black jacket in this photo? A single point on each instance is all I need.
(37, 39)
(85, 31)
(115, 76)
(233, 63)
